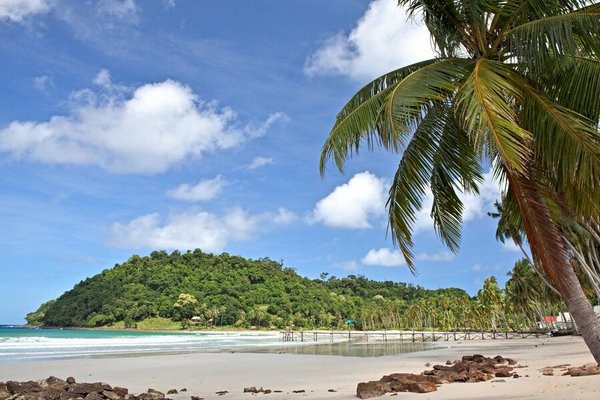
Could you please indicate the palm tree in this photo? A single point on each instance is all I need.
(514, 85)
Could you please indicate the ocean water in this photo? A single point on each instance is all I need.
(22, 344)
(18, 343)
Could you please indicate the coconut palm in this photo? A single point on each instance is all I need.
(514, 85)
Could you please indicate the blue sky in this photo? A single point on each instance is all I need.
(128, 126)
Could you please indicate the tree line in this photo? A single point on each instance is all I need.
(201, 290)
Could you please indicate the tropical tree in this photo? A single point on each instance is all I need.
(515, 86)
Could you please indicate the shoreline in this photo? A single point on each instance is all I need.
(204, 374)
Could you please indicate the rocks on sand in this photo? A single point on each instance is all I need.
(475, 368)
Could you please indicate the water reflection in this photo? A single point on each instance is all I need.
(345, 349)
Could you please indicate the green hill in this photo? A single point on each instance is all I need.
(167, 290)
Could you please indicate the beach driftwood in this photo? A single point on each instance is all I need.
(475, 368)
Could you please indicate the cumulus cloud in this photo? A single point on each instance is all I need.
(393, 258)
(382, 40)
(204, 190)
(384, 257)
(260, 162)
(19, 10)
(145, 130)
(474, 206)
(204, 230)
(351, 205)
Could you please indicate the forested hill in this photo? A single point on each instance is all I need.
(225, 290)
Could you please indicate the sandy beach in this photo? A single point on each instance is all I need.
(203, 374)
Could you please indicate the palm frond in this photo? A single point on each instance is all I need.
(485, 104)
(412, 179)
(565, 142)
(386, 112)
(360, 119)
(535, 43)
(455, 164)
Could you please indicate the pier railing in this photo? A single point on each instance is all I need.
(401, 336)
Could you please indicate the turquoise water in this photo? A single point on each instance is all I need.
(17, 343)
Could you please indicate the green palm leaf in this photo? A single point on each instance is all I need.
(485, 105)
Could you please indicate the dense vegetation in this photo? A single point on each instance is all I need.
(167, 290)
(221, 290)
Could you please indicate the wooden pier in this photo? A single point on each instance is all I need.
(401, 336)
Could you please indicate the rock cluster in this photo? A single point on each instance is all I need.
(475, 368)
(55, 388)
(566, 369)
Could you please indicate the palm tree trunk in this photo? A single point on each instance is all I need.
(547, 245)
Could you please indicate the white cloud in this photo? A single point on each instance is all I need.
(351, 205)
(204, 190)
(42, 82)
(203, 230)
(283, 216)
(382, 40)
(474, 206)
(18, 10)
(436, 257)
(384, 257)
(122, 9)
(510, 245)
(260, 162)
(393, 258)
(157, 126)
(347, 265)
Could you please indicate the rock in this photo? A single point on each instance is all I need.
(69, 396)
(56, 383)
(367, 390)
(4, 393)
(548, 371)
(448, 362)
(511, 361)
(86, 388)
(50, 393)
(23, 387)
(94, 396)
(183, 390)
(332, 390)
(277, 391)
(498, 381)
(502, 373)
(299, 391)
(422, 387)
(197, 398)
(250, 389)
(110, 395)
(71, 380)
(121, 391)
(584, 371)
(172, 391)
(222, 392)
(151, 394)
(267, 391)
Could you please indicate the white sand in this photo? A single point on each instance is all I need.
(203, 374)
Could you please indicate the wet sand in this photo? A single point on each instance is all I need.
(203, 374)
